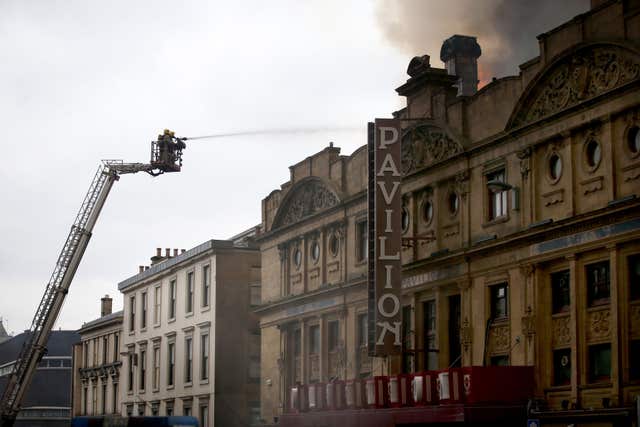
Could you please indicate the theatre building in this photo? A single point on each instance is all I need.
(521, 229)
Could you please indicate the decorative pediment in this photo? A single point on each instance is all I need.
(308, 197)
(588, 72)
(426, 144)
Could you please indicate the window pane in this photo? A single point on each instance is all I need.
(562, 367)
(314, 337)
(600, 362)
(560, 289)
(598, 283)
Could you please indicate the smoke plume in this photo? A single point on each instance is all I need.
(506, 29)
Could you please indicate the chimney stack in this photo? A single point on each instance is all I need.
(175, 252)
(460, 55)
(140, 268)
(167, 252)
(106, 305)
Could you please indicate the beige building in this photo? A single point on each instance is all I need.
(530, 187)
(191, 345)
(96, 364)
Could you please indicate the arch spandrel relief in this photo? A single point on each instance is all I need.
(574, 78)
(426, 144)
(309, 196)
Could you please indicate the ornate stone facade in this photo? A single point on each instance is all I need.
(592, 71)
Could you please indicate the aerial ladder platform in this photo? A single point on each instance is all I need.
(166, 156)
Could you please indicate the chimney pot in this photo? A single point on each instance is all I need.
(183, 251)
(140, 268)
(106, 305)
(460, 55)
(158, 251)
(146, 267)
(175, 252)
(167, 252)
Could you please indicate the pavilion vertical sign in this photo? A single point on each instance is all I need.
(385, 217)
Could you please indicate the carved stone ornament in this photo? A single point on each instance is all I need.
(525, 161)
(599, 325)
(561, 331)
(466, 334)
(425, 145)
(304, 201)
(461, 183)
(499, 338)
(529, 323)
(588, 73)
(283, 251)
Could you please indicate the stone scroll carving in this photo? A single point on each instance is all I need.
(599, 325)
(309, 198)
(425, 145)
(588, 73)
(561, 329)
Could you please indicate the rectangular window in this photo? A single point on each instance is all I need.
(95, 351)
(497, 197)
(206, 285)
(130, 376)
(116, 347)
(86, 354)
(430, 356)
(499, 301)
(189, 299)
(204, 356)
(94, 400)
(143, 311)
(186, 410)
(599, 363)
(362, 330)
(204, 416)
(172, 299)
(560, 291)
(114, 399)
(314, 339)
(254, 369)
(143, 369)
(562, 367)
(255, 298)
(157, 305)
(171, 363)
(169, 409)
(361, 241)
(297, 347)
(85, 401)
(132, 313)
(333, 335)
(156, 368)
(407, 354)
(104, 399)
(598, 290)
(500, 361)
(105, 349)
(188, 360)
(633, 263)
(634, 356)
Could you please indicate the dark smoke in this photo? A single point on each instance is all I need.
(506, 29)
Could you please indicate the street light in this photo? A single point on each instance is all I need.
(497, 186)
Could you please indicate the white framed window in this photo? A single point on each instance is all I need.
(157, 304)
(206, 285)
(172, 299)
(188, 308)
(204, 356)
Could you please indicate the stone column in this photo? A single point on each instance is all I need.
(575, 318)
(614, 327)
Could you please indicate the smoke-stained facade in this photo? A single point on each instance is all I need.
(530, 188)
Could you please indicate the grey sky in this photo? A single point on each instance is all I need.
(84, 80)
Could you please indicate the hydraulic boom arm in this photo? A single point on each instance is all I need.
(167, 158)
